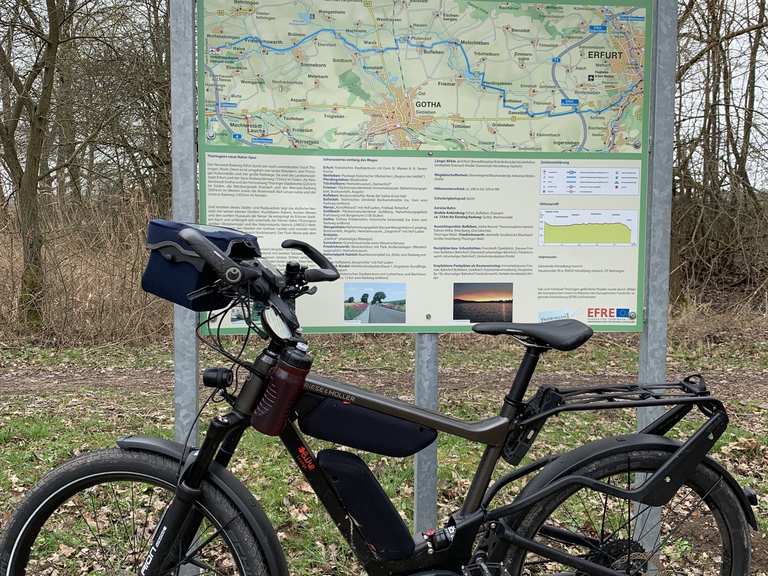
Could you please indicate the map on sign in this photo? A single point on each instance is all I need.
(454, 75)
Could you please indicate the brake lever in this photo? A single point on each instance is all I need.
(295, 292)
(201, 292)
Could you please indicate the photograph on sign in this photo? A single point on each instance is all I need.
(375, 302)
(458, 162)
(482, 301)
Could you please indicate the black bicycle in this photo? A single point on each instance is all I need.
(637, 504)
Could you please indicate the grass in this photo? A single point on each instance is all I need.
(604, 354)
(44, 423)
(41, 430)
(353, 310)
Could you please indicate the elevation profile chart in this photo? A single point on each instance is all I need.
(588, 228)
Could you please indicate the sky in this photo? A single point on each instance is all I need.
(393, 290)
(482, 291)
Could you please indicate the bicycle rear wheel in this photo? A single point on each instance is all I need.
(701, 531)
(96, 515)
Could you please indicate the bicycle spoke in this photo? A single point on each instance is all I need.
(205, 566)
(592, 546)
(629, 515)
(125, 531)
(144, 543)
(134, 542)
(605, 513)
(589, 545)
(701, 499)
(619, 531)
(111, 536)
(97, 533)
(194, 549)
(592, 523)
(644, 511)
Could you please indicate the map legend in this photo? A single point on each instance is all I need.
(567, 180)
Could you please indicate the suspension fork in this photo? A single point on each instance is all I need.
(181, 521)
(195, 517)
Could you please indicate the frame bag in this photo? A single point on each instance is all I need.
(174, 270)
(361, 428)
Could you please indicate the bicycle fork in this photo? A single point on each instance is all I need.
(178, 526)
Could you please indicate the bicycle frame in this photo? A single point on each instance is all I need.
(655, 491)
(516, 427)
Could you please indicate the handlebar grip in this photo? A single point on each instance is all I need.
(318, 275)
(223, 265)
(327, 271)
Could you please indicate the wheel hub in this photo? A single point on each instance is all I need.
(621, 555)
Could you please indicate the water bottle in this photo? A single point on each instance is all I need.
(286, 385)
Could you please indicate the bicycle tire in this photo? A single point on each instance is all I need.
(704, 483)
(56, 530)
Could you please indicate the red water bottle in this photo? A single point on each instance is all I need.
(286, 385)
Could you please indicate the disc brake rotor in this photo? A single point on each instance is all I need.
(620, 555)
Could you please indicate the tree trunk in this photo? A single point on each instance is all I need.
(32, 278)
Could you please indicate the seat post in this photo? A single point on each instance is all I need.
(522, 380)
(510, 410)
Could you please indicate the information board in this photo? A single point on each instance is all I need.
(459, 161)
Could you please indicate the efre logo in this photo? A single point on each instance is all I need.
(602, 313)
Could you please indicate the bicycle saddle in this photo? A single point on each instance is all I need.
(558, 334)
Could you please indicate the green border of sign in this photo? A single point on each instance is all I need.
(203, 148)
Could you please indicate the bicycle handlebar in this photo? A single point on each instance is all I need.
(232, 273)
(223, 265)
(325, 273)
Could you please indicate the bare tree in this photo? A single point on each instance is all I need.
(84, 119)
(720, 214)
(28, 57)
(85, 143)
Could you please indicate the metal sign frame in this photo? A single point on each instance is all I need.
(655, 276)
(240, 144)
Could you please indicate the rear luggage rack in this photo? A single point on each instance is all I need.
(690, 386)
(549, 401)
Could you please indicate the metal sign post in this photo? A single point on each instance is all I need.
(653, 340)
(184, 177)
(184, 166)
(425, 463)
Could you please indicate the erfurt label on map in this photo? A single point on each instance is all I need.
(604, 55)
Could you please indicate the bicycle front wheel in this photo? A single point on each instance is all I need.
(701, 531)
(96, 515)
